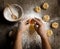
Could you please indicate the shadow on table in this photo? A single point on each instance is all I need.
(6, 41)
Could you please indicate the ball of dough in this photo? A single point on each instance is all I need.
(37, 9)
(49, 33)
(45, 6)
(46, 18)
(55, 25)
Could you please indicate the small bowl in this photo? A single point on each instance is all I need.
(16, 10)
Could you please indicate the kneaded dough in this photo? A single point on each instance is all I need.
(46, 18)
(45, 6)
(31, 28)
(49, 32)
(37, 9)
(55, 25)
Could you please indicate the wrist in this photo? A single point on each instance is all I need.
(44, 37)
(20, 32)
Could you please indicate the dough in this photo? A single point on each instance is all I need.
(49, 32)
(31, 28)
(45, 6)
(46, 18)
(37, 9)
(55, 25)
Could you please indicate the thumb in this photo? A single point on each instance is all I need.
(36, 27)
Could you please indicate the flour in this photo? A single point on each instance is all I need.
(34, 37)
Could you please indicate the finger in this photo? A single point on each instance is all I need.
(26, 21)
(28, 25)
(36, 26)
(31, 21)
(37, 22)
(37, 19)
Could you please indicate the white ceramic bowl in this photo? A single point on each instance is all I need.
(17, 11)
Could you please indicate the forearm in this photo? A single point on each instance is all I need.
(45, 43)
(18, 42)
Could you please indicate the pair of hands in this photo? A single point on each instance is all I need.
(39, 29)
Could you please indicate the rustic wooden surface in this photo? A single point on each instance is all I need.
(53, 11)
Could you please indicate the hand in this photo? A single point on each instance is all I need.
(23, 26)
(39, 27)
